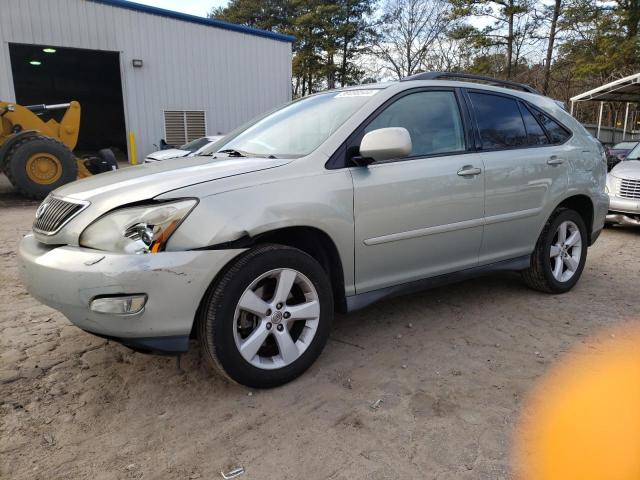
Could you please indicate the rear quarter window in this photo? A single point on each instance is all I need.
(535, 133)
(557, 133)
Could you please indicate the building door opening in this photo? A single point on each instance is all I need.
(51, 75)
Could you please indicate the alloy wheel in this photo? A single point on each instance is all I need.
(565, 251)
(276, 318)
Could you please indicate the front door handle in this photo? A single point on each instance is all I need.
(555, 160)
(469, 171)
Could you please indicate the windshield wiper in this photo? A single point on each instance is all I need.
(233, 153)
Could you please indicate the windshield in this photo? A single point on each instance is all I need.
(300, 127)
(635, 153)
(624, 146)
(196, 144)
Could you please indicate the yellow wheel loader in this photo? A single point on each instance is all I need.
(37, 156)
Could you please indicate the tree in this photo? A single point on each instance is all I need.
(352, 30)
(597, 43)
(554, 15)
(272, 15)
(406, 31)
(448, 55)
(329, 35)
(511, 23)
(630, 13)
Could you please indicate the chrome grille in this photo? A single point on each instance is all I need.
(628, 188)
(54, 213)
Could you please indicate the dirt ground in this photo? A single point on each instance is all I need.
(452, 367)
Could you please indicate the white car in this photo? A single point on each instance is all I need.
(194, 147)
(623, 187)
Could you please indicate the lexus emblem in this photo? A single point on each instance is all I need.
(41, 209)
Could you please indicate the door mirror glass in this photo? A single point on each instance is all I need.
(386, 143)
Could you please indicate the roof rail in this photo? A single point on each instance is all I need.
(468, 76)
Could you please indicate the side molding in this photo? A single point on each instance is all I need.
(362, 300)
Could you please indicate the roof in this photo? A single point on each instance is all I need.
(626, 89)
(210, 22)
(470, 78)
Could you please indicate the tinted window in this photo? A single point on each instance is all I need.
(499, 121)
(557, 133)
(432, 119)
(535, 133)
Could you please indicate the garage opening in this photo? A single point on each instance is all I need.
(51, 75)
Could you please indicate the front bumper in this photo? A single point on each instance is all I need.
(68, 278)
(624, 211)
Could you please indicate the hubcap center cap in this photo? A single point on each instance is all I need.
(276, 317)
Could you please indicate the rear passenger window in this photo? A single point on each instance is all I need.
(557, 133)
(432, 119)
(499, 121)
(535, 133)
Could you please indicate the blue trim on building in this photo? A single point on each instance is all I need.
(210, 22)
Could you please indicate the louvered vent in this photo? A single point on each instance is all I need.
(182, 126)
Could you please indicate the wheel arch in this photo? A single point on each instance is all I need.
(319, 245)
(583, 205)
(311, 240)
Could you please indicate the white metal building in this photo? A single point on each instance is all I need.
(141, 69)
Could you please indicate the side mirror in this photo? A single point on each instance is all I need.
(384, 144)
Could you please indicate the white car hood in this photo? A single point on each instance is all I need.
(168, 153)
(629, 169)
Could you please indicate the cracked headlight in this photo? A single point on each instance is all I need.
(142, 229)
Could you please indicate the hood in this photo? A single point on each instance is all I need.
(132, 184)
(628, 169)
(168, 153)
(110, 190)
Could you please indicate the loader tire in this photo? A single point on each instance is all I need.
(37, 165)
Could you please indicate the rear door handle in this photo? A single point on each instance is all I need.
(469, 171)
(555, 160)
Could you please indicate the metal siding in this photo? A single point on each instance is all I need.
(232, 76)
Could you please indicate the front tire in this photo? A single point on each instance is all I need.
(267, 317)
(560, 254)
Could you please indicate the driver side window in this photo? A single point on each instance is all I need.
(432, 119)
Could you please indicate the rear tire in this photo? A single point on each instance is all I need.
(267, 317)
(37, 165)
(559, 258)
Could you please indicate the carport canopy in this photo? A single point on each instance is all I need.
(626, 89)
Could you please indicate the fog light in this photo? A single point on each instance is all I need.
(121, 305)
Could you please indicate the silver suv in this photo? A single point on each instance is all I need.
(331, 202)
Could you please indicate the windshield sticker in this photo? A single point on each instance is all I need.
(357, 93)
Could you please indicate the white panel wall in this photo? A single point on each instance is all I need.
(233, 76)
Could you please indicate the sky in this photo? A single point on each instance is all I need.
(192, 7)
